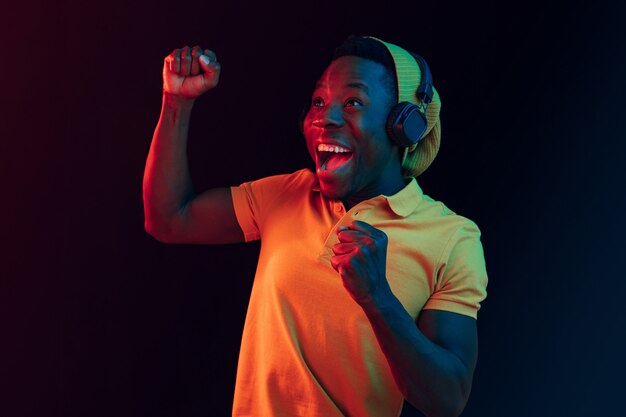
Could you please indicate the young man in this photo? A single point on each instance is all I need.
(367, 290)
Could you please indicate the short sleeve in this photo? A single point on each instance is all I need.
(245, 205)
(255, 201)
(461, 274)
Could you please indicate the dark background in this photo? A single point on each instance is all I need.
(100, 319)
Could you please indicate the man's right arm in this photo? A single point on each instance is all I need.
(173, 212)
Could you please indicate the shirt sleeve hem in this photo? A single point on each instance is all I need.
(240, 201)
(452, 307)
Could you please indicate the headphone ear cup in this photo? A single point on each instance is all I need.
(406, 124)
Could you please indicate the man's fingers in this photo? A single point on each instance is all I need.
(212, 65)
(363, 236)
(174, 61)
(190, 72)
(343, 248)
(369, 231)
(185, 61)
(363, 227)
(338, 262)
(211, 55)
(349, 236)
(196, 52)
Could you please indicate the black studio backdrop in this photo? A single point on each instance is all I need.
(100, 319)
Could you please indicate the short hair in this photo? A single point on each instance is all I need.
(368, 48)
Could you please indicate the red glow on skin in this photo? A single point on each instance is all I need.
(349, 108)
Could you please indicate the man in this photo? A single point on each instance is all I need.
(367, 290)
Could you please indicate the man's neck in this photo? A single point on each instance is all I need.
(389, 189)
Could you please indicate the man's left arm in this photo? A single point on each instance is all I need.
(432, 365)
(433, 362)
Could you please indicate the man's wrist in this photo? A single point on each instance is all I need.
(176, 101)
(379, 301)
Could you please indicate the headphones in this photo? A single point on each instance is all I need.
(406, 122)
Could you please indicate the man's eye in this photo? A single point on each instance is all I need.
(317, 102)
(353, 102)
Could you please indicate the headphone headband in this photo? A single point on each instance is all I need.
(410, 87)
(407, 122)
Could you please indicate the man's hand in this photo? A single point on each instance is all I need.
(360, 258)
(190, 72)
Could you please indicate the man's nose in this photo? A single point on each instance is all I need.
(329, 116)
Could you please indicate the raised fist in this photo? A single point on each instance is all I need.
(190, 72)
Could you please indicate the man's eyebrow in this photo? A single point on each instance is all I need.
(356, 84)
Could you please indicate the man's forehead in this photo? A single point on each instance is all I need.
(352, 72)
(358, 84)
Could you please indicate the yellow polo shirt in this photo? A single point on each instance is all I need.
(307, 347)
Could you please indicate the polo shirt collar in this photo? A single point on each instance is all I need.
(404, 201)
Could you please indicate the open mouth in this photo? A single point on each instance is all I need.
(331, 157)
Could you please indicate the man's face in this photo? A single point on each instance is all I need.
(345, 131)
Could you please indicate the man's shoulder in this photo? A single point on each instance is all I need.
(302, 179)
(280, 189)
(438, 211)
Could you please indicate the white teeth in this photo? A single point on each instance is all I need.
(322, 147)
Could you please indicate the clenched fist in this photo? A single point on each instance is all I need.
(360, 258)
(190, 72)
